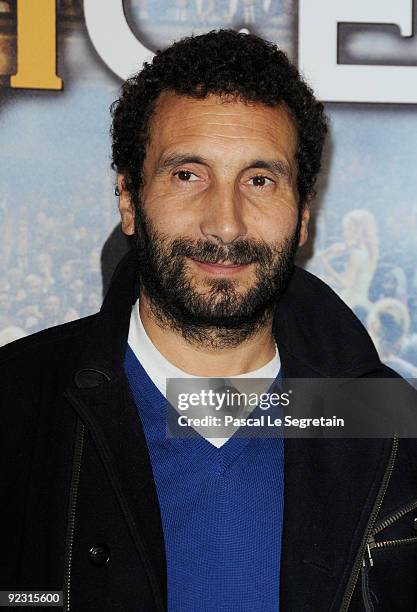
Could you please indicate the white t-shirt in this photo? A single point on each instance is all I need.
(159, 368)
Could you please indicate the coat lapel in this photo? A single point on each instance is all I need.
(101, 396)
(330, 485)
(112, 419)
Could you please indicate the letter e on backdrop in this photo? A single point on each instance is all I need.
(318, 46)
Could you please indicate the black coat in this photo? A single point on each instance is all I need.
(79, 509)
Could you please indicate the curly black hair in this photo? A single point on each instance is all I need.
(222, 62)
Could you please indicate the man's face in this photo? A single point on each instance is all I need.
(218, 221)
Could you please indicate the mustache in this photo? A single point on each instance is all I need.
(242, 252)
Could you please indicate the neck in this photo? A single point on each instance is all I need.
(217, 355)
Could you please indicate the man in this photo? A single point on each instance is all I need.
(217, 145)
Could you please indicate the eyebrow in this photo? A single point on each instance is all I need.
(277, 167)
(177, 159)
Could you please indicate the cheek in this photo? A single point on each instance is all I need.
(163, 197)
(275, 225)
(168, 215)
(277, 210)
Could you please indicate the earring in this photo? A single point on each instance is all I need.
(116, 191)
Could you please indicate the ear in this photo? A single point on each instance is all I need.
(126, 209)
(305, 218)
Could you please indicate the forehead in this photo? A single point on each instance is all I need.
(226, 122)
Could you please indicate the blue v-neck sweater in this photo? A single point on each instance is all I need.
(221, 511)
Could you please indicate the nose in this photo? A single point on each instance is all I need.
(222, 220)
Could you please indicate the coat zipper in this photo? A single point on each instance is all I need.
(350, 588)
(383, 524)
(366, 593)
(372, 544)
(395, 516)
(388, 544)
(72, 506)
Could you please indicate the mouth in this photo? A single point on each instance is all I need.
(223, 268)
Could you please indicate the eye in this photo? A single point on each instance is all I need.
(260, 181)
(186, 176)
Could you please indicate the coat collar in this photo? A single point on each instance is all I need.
(313, 327)
(317, 335)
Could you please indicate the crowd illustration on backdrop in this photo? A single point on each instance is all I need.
(381, 294)
(207, 12)
(52, 273)
(50, 257)
(203, 12)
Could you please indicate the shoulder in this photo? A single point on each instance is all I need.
(50, 337)
(46, 354)
(304, 281)
(316, 304)
(318, 328)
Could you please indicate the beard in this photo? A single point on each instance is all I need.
(211, 312)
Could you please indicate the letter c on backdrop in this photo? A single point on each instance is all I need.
(112, 37)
